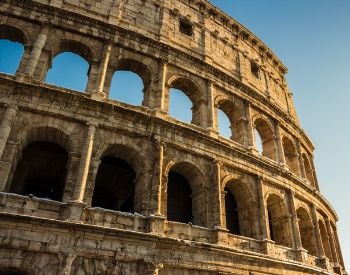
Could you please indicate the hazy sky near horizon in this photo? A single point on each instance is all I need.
(312, 39)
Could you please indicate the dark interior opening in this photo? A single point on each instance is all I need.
(186, 27)
(255, 69)
(272, 237)
(41, 171)
(232, 220)
(12, 273)
(179, 203)
(114, 187)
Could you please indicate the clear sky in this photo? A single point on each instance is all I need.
(312, 39)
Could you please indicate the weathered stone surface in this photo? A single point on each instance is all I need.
(279, 223)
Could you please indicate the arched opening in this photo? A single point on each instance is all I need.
(131, 82)
(180, 106)
(41, 171)
(267, 138)
(308, 170)
(279, 223)
(185, 102)
(127, 87)
(232, 219)
(325, 240)
(230, 110)
(307, 232)
(185, 197)
(291, 156)
(179, 203)
(114, 185)
(224, 125)
(12, 42)
(239, 209)
(69, 70)
(258, 142)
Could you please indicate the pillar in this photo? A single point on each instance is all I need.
(101, 75)
(36, 52)
(218, 211)
(301, 160)
(159, 99)
(278, 138)
(212, 112)
(84, 164)
(331, 241)
(295, 225)
(264, 227)
(6, 126)
(341, 260)
(250, 141)
(317, 232)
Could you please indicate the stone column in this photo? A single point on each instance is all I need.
(331, 241)
(301, 160)
(295, 226)
(317, 232)
(36, 52)
(84, 164)
(250, 141)
(341, 260)
(278, 138)
(101, 75)
(212, 117)
(160, 100)
(263, 228)
(218, 212)
(6, 125)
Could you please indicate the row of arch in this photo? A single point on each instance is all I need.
(43, 168)
(186, 97)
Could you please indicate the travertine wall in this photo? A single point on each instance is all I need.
(221, 65)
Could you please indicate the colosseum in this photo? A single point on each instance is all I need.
(92, 185)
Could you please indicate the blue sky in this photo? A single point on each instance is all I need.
(312, 39)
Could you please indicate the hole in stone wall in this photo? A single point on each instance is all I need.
(232, 220)
(69, 70)
(180, 106)
(41, 171)
(127, 87)
(254, 69)
(258, 142)
(179, 202)
(114, 186)
(10, 56)
(224, 124)
(185, 27)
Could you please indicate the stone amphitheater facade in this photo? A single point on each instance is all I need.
(181, 198)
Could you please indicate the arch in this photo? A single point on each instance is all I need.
(267, 137)
(128, 71)
(41, 171)
(73, 56)
(325, 240)
(193, 92)
(307, 232)
(191, 179)
(308, 169)
(290, 155)
(117, 182)
(279, 220)
(243, 219)
(13, 34)
(12, 43)
(236, 115)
